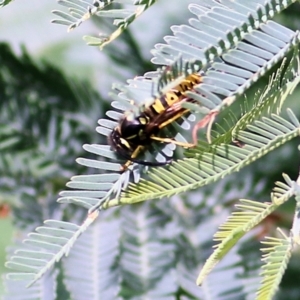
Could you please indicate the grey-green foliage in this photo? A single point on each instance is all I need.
(155, 250)
(4, 2)
(36, 143)
(37, 149)
(123, 13)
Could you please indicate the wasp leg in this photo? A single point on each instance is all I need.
(134, 154)
(171, 141)
(177, 116)
(206, 121)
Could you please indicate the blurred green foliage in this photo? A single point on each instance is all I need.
(46, 117)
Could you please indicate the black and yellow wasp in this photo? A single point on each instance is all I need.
(135, 132)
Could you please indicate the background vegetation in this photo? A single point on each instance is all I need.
(53, 89)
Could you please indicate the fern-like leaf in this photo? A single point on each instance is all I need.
(277, 253)
(237, 225)
(269, 43)
(81, 10)
(219, 26)
(228, 80)
(207, 166)
(45, 288)
(209, 99)
(52, 242)
(147, 254)
(89, 271)
(283, 191)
